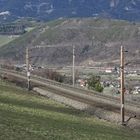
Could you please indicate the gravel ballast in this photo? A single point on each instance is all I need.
(98, 112)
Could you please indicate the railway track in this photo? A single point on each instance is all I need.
(81, 95)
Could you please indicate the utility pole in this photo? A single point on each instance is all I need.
(27, 67)
(122, 85)
(73, 68)
(93, 41)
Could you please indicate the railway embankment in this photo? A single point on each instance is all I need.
(100, 106)
(92, 109)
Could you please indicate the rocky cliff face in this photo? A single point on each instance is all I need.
(51, 9)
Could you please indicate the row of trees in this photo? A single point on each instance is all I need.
(11, 29)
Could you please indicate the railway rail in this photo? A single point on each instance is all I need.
(82, 95)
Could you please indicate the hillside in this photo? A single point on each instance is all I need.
(96, 40)
(24, 115)
(4, 39)
(53, 9)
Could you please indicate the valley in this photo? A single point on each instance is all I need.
(70, 69)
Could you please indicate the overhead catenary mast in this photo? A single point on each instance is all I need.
(73, 67)
(122, 85)
(27, 68)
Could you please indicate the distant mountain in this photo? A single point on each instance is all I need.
(52, 9)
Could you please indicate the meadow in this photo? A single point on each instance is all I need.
(28, 116)
(5, 39)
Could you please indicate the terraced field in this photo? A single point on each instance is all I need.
(25, 115)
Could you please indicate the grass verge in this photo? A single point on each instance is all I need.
(24, 115)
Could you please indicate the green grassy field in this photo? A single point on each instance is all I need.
(5, 39)
(26, 116)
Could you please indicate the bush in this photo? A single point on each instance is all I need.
(99, 87)
(94, 83)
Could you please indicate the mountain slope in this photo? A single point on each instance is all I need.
(96, 40)
(52, 9)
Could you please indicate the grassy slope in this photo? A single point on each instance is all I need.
(102, 30)
(18, 45)
(31, 117)
(5, 39)
(77, 30)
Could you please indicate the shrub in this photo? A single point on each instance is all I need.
(94, 83)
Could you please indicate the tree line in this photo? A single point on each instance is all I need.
(11, 29)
